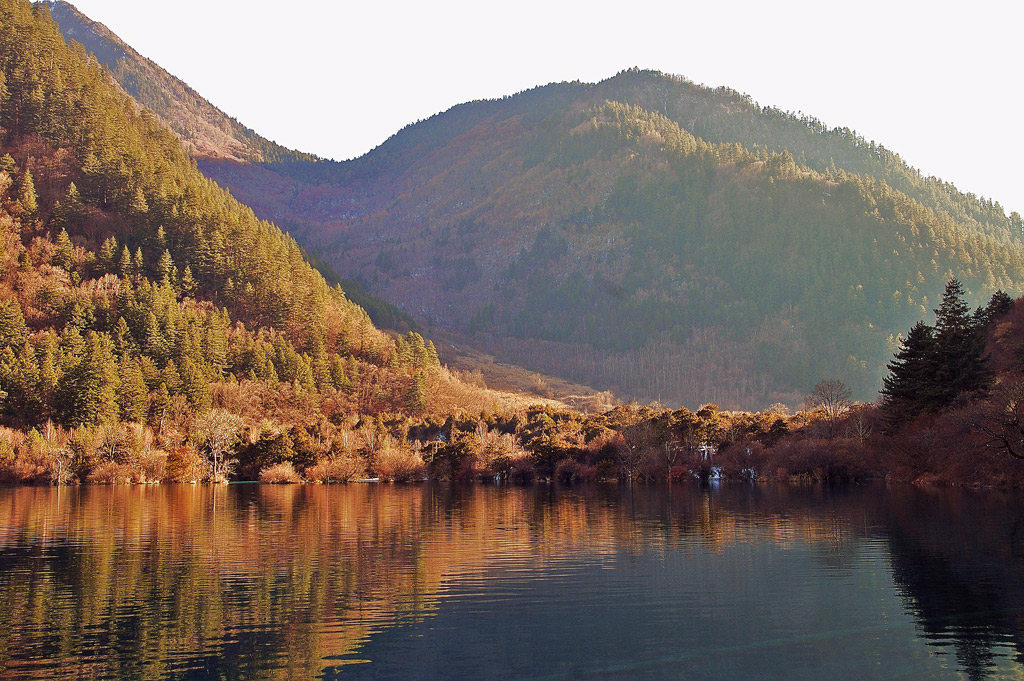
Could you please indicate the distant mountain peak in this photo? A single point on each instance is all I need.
(205, 130)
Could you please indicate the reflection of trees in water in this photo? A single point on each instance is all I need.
(264, 582)
(958, 558)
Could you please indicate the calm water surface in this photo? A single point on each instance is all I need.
(438, 582)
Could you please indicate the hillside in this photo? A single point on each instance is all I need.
(644, 234)
(576, 230)
(206, 131)
(150, 323)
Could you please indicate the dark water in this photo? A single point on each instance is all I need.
(434, 582)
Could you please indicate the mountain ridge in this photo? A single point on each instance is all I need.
(559, 229)
(204, 129)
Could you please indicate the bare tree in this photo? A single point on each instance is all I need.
(216, 433)
(832, 398)
(1001, 418)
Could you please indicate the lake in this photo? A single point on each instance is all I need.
(437, 581)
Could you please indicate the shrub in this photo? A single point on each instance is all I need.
(336, 469)
(152, 466)
(280, 473)
(522, 470)
(398, 464)
(112, 473)
(184, 464)
(567, 471)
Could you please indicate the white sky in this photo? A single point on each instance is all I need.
(938, 83)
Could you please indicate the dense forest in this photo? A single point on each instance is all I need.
(142, 308)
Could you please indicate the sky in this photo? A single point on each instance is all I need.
(938, 83)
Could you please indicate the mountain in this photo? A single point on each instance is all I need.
(143, 309)
(646, 235)
(205, 130)
(650, 236)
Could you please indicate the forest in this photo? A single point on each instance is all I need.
(739, 271)
(153, 328)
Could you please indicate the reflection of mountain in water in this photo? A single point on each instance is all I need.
(270, 582)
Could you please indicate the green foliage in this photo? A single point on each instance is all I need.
(120, 332)
(937, 364)
(416, 397)
(87, 392)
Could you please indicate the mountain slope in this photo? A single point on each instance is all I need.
(134, 289)
(648, 235)
(206, 131)
(599, 240)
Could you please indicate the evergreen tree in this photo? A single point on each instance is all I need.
(107, 257)
(133, 397)
(28, 200)
(959, 352)
(13, 331)
(124, 263)
(416, 396)
(64, 253)
(905, 391)
(194, 386)
(88, 390)
(164, 268)
(936, 364)
(188, 283)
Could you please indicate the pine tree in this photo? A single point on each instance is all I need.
(959, 352)
(88, 390)
(906, 390)
(124, 263)
(937, 364)
(133, 397)
(138, 263)
(164, 268)
(188, 283)
(107, 258)
(64, 252)
(194, 386)
(416, 397)
(28, 200)
(13, 331)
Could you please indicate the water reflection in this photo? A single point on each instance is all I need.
(374, 582)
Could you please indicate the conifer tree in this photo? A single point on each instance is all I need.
(88, 390)
(133, 397)
(13, 331)
(188, 283)
(64, 253)
(905, 391)
(416, 397)
(107, 257)
(28, 200)
(124, 263)
(959, 351)
(164, 268)
(194, 386)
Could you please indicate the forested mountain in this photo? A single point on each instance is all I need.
(598, 239)
(648, 235)
(143, 310)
